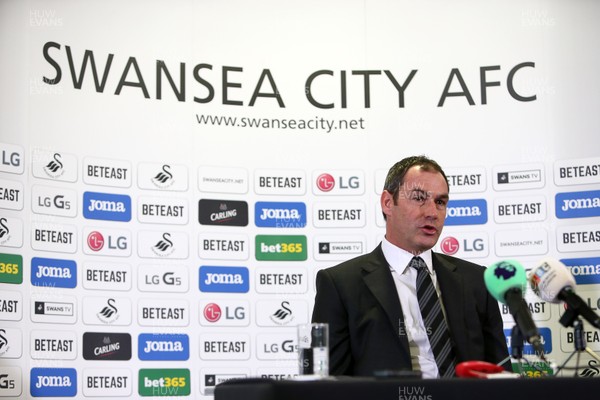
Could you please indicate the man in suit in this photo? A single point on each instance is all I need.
(373, 303)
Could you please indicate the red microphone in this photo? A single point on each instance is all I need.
(482, 370)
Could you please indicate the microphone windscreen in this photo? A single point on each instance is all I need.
(503, 276)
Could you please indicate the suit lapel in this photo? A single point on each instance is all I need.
(378, 278)
(451, 286)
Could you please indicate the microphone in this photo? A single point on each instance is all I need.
(506, 281)
(553, 282)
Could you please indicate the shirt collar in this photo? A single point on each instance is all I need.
(399, 258)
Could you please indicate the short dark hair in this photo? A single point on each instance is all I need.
(395, 176)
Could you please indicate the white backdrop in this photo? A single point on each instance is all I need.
(488, 90)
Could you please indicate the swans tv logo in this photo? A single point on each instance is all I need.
(222, 212)
(163, 347)
(53, 382)
(11, 268)
(164, 382)
(49, 272)
(578, 204)
(466, 212)
(224, 279)
(106, 346)
(106, 207)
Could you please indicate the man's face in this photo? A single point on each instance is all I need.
(415, 221)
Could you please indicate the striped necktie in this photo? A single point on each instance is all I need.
(433, 319)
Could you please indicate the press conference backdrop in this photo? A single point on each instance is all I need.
(173, 174)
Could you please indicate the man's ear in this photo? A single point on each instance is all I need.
(386, 202)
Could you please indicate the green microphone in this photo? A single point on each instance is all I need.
(507, 281)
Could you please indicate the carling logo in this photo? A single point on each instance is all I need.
(280, 215)
(578, 204)
(51, 272)
(53, 382)
(106, 206)
(163, 347)
(466, 212)
(224, 279)
(106, 346)
(585, 270)
(222, 212)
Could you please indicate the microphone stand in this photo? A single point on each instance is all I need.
(516, 347)
(571, 319)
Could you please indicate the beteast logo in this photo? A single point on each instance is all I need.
(449, 245)
(585, 270)
(280, 248)
(578, 238)
(11, 268)
(49, 272)
(466, 212)
(101, 275)
(164, 382)
(222, 212)
(105, 172)
(214, 279)
(224, 346)
(53, 345)
(578, 204)
(229, 246)
(279, 182)
(53, 382)
(11, 305)
(107, 382)
(106, 346)
(577, 172)
(279, 215)
(11, 195)
(106, 206)
(54, 237)
(163, 210)
(163, 347)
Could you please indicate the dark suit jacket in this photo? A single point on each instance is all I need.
(359, 300)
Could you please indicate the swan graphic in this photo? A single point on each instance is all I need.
(284, 313)
(55, 164)
(3, 340)
(164, 244)
(3, 228)
(109, 310)
(591, 371)
(164, 175)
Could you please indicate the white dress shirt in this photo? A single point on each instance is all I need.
(405, 279)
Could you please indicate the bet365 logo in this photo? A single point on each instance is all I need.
(280, 248)
(164, 382)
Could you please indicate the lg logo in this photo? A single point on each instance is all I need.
(469, 244)
(325, 182)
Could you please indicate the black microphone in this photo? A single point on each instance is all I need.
(506, 281)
